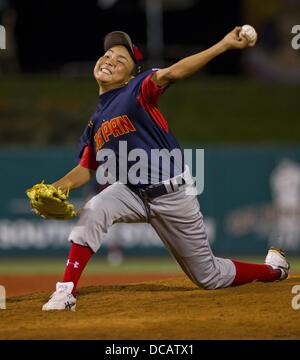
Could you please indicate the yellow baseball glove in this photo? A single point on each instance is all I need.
(50, 202)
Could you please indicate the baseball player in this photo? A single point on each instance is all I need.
(128, 112)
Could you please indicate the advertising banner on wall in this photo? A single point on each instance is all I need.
(251, 200)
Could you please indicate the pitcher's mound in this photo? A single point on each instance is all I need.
(166, 309)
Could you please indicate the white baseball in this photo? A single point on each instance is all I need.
(249, 32)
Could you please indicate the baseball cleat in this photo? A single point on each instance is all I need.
(277, 260)
(62, 298)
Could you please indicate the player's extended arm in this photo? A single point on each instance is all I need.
(76, 178)
(192, 64)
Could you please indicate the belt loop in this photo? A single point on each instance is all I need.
(175, 185)
(168, 186)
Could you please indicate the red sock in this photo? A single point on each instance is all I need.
(78, 257)
(246, 273)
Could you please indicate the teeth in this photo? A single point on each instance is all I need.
(106, 71)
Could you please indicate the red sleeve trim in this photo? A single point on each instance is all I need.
(150, 91)
(88, 159)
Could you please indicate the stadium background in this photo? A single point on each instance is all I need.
(242, 109)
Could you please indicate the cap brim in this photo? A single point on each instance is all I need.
(118, 38)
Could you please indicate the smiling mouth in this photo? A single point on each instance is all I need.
(105, 71)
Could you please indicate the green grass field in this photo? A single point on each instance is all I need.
(97, 265)
(101, 266)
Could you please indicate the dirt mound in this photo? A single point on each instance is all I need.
(167, 309)
(16, 284)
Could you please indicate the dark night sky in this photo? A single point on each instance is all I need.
(51, 33)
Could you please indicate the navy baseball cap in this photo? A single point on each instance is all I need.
(121, 38)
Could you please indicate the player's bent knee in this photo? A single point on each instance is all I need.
(206, 284)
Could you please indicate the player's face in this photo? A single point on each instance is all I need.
(114, 68)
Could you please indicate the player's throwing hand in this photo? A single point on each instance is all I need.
(235, 40)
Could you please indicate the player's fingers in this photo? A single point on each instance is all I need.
(237, 30)
(243, 41)
(242, 38)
